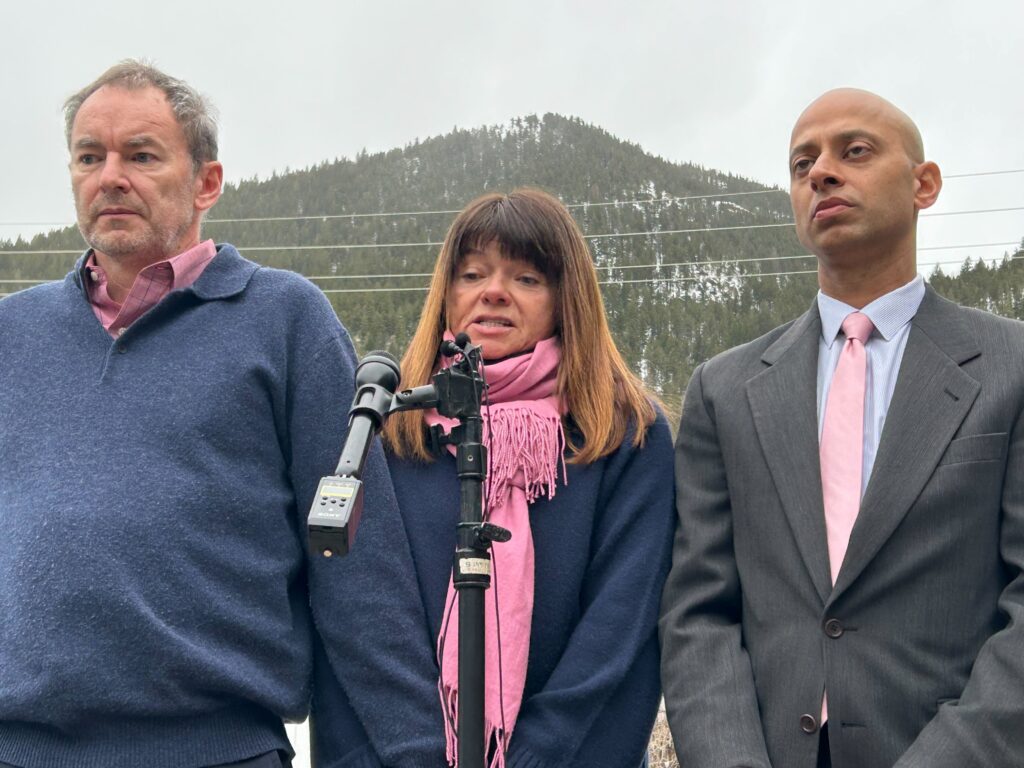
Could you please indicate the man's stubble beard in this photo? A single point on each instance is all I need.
(153, 243)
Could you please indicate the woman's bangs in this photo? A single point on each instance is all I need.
(517, 237)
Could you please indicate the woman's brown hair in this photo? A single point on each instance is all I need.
(602, 396)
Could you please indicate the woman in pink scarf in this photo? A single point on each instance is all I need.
(580, 473)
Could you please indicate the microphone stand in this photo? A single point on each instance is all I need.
(456, 393)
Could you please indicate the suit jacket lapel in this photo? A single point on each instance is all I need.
(932, 397)
(783, 401)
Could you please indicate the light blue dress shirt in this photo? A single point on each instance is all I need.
(891, 315)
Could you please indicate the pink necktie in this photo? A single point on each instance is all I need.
(842, 445)
(842, 439)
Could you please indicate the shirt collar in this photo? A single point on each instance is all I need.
(888, 313)
(185, 267)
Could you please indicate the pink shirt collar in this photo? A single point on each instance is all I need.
(150, 286)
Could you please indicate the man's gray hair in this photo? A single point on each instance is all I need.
(191, 109)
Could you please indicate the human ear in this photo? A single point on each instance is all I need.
(928, 184)
(209, 182)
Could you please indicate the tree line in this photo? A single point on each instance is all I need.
(715, 248)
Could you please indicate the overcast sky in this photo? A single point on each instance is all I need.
(714, 83)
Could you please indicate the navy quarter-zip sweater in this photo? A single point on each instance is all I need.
(157, 606)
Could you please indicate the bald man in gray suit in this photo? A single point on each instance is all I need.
(903, 643)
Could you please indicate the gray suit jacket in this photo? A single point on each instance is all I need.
(921, 642)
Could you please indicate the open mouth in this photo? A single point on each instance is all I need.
(493, 322)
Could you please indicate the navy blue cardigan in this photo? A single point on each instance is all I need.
(603, 546)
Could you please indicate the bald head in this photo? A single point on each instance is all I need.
(873, 108)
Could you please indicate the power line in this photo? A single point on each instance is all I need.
(614, 235)
(754, 260)
(675, 279)
(386, 214)
(695, 278)
(968, 245)
(980, 173)
(384, 276)
(747, 275)
(603, 236)
(373, 290)
(655, 265)
(603, 203)
(452, 211)
(38, 253)
(672, 279)
(963, 213)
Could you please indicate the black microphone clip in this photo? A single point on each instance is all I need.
(451, 348)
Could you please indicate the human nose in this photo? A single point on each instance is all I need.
(824, 174)
(496, 290)
(113, 176)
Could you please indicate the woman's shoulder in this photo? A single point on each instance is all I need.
(657, 439)
(657, 434)
(653, 454)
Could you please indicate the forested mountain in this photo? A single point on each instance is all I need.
(694, 260)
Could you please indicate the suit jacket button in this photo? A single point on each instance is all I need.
(808, 724)
(834, 628)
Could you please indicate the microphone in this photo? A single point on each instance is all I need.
(338, 504)
(451, 348)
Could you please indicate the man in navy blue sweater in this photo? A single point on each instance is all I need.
(165, 413)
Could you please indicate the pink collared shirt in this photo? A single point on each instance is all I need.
(150, 286)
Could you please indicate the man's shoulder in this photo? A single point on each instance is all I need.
(747, 358)
(282, 283)
(991, 332)
(291, 293)
(25, 304)
(989, 321)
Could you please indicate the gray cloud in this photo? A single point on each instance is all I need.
(717, 84)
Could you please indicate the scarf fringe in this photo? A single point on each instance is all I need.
(493, 735)
(528, 442)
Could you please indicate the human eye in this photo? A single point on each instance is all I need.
(87, 158)
(531, 278)
(801, 165)
(855, 151)
(143, 158)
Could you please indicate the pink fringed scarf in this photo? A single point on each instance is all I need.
(526, 443)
